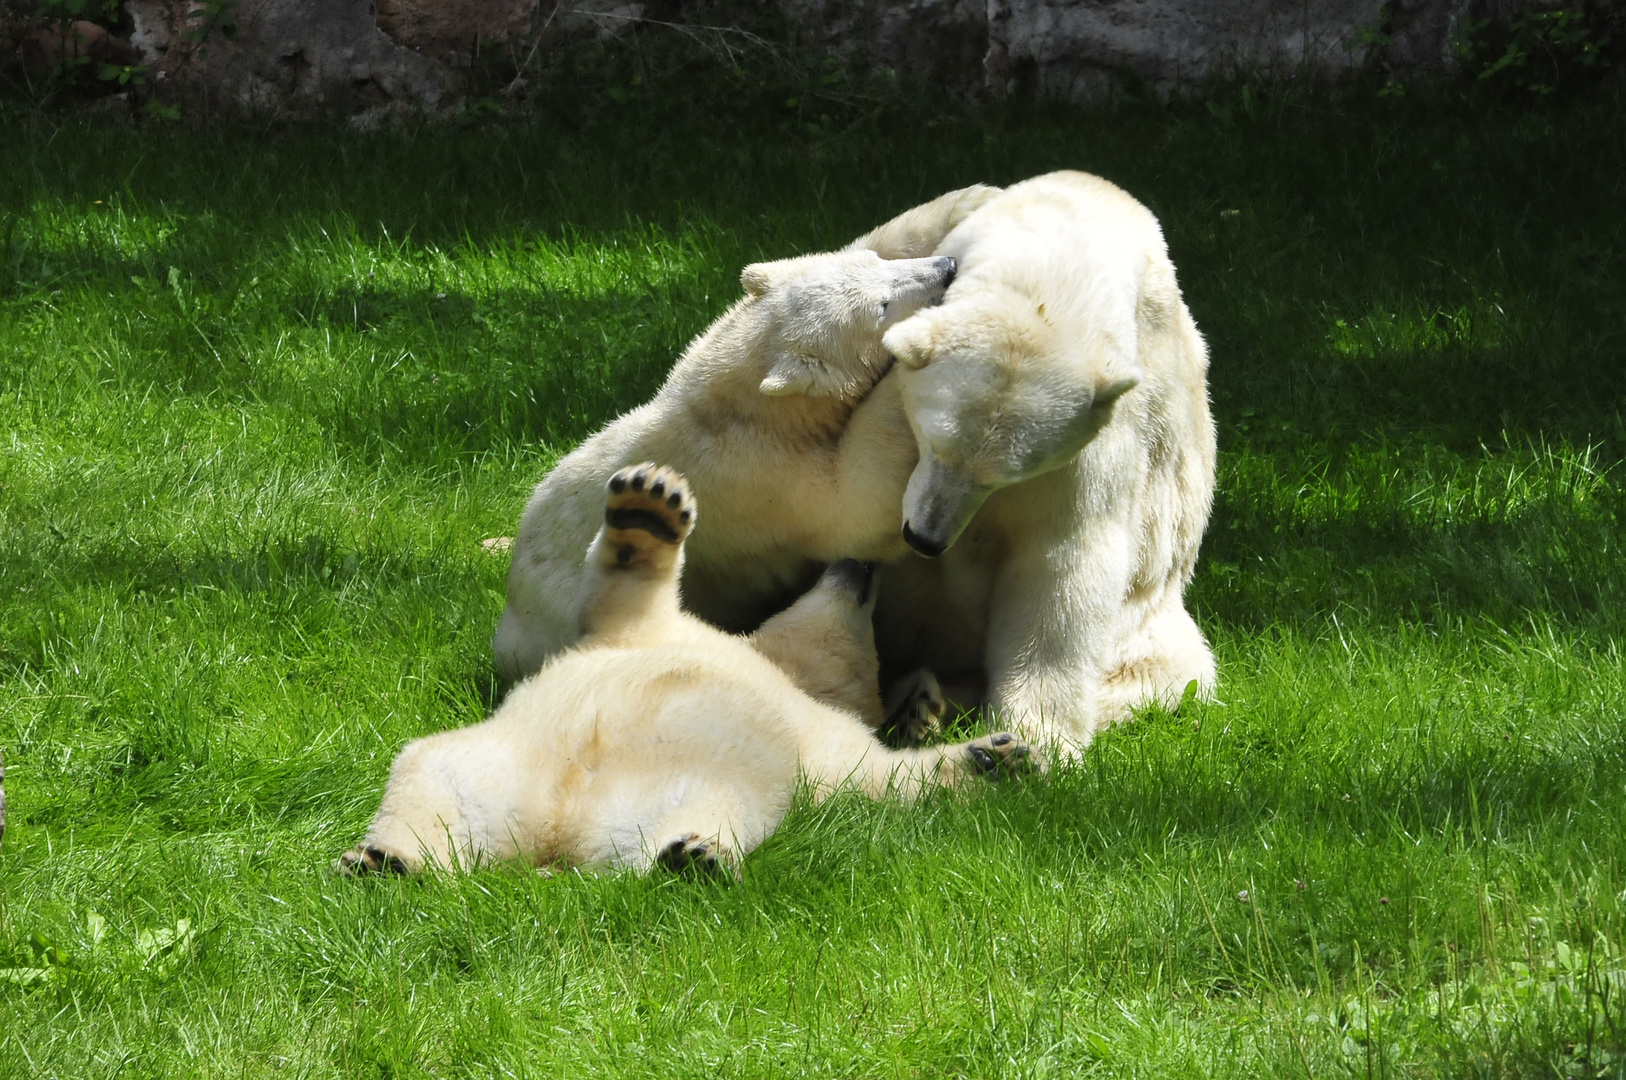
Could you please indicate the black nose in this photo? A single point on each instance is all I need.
(948, 267)
(928, 548)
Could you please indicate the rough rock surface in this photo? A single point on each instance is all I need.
(290, 56)
(450, 31)
(374, 57)
(1078, 48)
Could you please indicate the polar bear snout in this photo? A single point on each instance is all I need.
(914, 284)
(931, 548)
(938, 504)
(858, 578)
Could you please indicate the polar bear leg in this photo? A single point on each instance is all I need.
(433, 806)
(915, 233)
(630, 590)
(703, 837)
(837, 749)
(908, 773)
(1165, 655)
(524, 641)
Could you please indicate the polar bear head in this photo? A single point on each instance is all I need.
(820, 317)
(995, 394)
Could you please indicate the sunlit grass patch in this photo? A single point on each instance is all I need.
(1401, 336)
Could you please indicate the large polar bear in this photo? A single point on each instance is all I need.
(767, 414)
(1059, 401)
(658, 739)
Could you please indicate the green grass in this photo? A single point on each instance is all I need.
(262, 394)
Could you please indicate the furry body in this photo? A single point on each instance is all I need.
(1059, 402)
(770, 414)
(658, 738)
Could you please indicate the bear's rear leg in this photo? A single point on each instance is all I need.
(699, 838)
(692, 856)
(364, 859)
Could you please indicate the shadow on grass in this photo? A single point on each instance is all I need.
(1257, 572)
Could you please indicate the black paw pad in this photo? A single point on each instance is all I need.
(689, 856)
(652, 499)
(1001, 756)
(370, 861)
(382, 862)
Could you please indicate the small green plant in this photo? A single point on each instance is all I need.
(1536, 54)
(76, 48)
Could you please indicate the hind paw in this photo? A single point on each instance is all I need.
(1002, 755)
(914, 710)
(649, 511)
(691, 856)
(366, 860)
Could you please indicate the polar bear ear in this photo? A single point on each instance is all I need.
(756, 278)
(909, 342)
(789, 375)
(1117, 386)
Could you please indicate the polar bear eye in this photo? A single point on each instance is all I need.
(884, 305)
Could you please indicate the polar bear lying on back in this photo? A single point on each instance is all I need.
(660, 740)
(766, 413)
(1059, 402)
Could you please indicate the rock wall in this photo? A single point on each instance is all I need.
(371, 58)
(1078, 48)
(289, 56)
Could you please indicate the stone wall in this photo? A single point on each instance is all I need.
(1078, 48)
(371, 58)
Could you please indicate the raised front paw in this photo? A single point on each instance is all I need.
(693, 857)
(1002, 755)
(914, 710)
(365, 860)
(649, 510)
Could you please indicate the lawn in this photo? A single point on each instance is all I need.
(263, 393)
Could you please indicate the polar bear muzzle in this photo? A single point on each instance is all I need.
(938, 504)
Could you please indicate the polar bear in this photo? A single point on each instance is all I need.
(771, 416)
(1058, 398)
(658, 739)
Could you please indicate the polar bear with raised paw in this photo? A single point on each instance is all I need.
(1059, 401)
(771, 415)
(659, 740)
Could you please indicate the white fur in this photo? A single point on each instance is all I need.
(1059, 401)
(658, 729)
(766, 413)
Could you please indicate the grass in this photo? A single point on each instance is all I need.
(263, 393)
